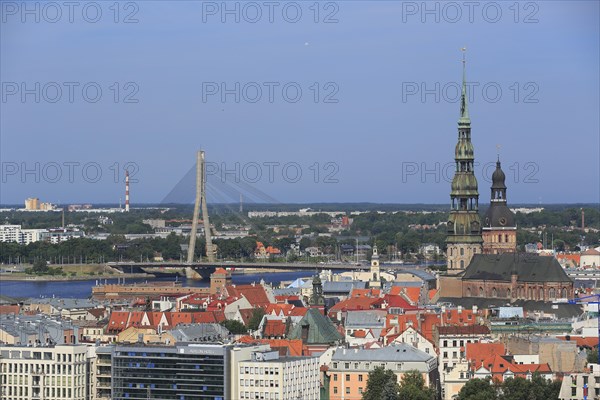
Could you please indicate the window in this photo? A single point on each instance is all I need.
(462, 263)
(360, 378)
(335, 390)
(335, 377)
(347, 390)
(347, 377)
(462, 251)
(360, 390)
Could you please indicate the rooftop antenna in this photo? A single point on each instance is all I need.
(63, 218)
(126, 190)
(241, 204)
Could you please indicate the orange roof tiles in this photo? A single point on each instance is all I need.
(588, 342)
(413, 294)
(356, 303)
(9, 309)
(274, 327)
(255, 294)
(478, 352)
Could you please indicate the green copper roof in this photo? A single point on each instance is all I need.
(320, 329)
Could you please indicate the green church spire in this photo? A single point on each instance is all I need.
(464, 224)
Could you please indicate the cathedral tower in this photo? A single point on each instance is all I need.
(499, 227)
(464, 224)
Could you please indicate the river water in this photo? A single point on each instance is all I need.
(83, 289)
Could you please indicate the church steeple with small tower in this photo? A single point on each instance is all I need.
(375, 281)
(499, 227)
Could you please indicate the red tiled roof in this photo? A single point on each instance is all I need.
(398, 301)
(478, 352)
(255, 294)
(9, 309)
(356, 303)
(413, 294)
(274, 327)
(246, 314)
(588, 342)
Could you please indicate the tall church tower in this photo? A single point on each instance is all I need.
(464, 224)
(375, 281)
(499, 227)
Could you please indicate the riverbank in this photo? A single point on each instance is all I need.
(61, 278)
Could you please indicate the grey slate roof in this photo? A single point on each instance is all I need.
(65, 303)
(400, 352)
(320, 329)
(365, 319)
(342, 287)
(529, 268)
(199, 332)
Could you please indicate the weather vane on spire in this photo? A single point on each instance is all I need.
(498, 146)
(464, 52)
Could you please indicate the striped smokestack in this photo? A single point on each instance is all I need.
(127, 191)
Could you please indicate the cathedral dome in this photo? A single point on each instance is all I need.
(498, 177)
(499, 216)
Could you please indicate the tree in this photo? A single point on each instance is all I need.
(478, 389)
(234, 326)
(40, 266)
(592, 355)
(257, 316)
(412, 387)
(381, 379)
(517, 389)
(304, 243)
(391, 391)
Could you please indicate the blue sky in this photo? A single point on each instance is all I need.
(369, 130)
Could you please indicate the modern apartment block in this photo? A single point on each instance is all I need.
(269, 376)
(183, 372)
(53, 372)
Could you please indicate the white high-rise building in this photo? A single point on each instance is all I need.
(14, 233)
(54, 372)
(269, 376)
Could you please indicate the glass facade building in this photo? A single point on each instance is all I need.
(186, 372)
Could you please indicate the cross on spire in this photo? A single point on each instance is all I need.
(464, 110)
